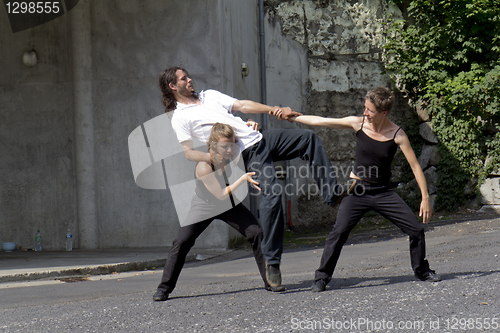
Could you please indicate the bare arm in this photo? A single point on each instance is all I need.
(337, 123)
(192, 154)
(246, 106)
(404, 144)
(206, 174)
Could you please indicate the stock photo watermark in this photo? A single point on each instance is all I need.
(296, 186)
(364, 324)
(28, 14)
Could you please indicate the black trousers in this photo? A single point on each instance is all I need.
(390, 205)
(238, 217)
(281, 145)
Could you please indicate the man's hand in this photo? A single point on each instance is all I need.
(284, 113)
(253, 124)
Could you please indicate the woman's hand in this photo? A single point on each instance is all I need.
(425, 210)
(252, 181)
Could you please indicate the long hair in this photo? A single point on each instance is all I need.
(382, 98)
(166, 77)
(220, 130)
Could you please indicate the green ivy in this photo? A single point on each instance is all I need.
(447, 54)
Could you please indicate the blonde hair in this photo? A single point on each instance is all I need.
(220, 130)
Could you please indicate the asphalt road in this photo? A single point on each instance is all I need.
(373, 290)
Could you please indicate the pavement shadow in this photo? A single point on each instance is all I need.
(360, 282)
(234, 292)
(350, 283)
(467, 275)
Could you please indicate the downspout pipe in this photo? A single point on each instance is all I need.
(262, 62)
(263, 97)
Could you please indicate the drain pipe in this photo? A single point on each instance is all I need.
(263, 97)
(262, 58)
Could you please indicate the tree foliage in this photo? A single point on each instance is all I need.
(447, 55)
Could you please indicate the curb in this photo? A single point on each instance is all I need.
(99, 269)
(89, 270)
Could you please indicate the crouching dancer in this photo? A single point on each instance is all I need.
(377, 139)
(212, 189)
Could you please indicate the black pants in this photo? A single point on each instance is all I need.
(238, 217)
(281, 145)
(390, 205)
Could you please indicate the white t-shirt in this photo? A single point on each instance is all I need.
(193, 121)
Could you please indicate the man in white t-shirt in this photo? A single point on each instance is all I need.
(193, 116)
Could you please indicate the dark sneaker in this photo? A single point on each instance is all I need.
(430, 276)
(273, 275)
(318, 286)
(275, 289)
(160, 296)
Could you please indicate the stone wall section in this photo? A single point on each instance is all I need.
(341, 45)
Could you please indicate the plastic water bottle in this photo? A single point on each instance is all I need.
(38, 241)
(69, 241)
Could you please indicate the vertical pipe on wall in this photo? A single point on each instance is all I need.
(263, 94)
(88, 232)
(262, 62)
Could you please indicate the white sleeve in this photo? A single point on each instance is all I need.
(224, 100)
(181, 128)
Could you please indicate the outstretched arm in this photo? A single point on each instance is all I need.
(337, 123)
(246, 106)
(404, 143)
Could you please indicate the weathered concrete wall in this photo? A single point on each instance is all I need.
(37, 183)
(131, 42)
(329, 53)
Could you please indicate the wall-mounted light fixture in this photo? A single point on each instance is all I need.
(30, 58)
(244, 70)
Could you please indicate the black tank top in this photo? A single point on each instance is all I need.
(374, 158)
(202, 191)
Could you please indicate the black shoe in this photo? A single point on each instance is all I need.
(160, 296)
(273, 275)
(275, 289)
(430, 276)
(318, 286)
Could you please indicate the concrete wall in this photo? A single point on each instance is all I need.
(47, 148)
(37, 180)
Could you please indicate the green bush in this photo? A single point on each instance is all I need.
(447, 55)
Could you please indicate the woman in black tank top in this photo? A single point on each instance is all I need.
(377, 140)
(373, 157)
